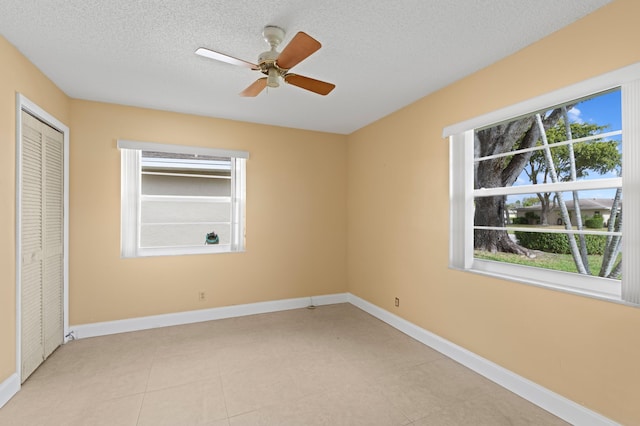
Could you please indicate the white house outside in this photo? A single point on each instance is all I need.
(184, 197)
(588, 208)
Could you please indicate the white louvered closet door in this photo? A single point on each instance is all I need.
(42, 242)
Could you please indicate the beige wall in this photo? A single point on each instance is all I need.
(296, 220)
(17, 75)
(584, 349)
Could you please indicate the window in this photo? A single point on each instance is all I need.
(181, 200)
(537, 192)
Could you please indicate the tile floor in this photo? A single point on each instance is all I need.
(333, 365)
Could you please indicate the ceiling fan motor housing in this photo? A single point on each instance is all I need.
(267, 60)
(268, 57)
(267, 63)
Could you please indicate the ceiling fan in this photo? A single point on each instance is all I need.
(276, 65)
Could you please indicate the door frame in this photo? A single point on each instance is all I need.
(24, 104)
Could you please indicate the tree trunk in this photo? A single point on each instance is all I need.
(545, 208)
(573, 246)
(615, 273)
(498, 173)
(576, 197)
(490, 212)
(614, 243)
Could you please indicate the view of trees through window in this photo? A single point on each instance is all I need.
(548, 188)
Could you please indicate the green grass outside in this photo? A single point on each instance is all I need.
(558, 262)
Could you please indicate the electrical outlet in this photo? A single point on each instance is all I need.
(397, 302)
(202, 296)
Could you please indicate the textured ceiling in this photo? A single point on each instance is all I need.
(382, 55)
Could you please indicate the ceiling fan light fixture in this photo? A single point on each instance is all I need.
(272, 78)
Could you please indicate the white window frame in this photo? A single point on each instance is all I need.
(131, 196)
(461, 191)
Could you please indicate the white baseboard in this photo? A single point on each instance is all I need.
(8, 388)
(189, 317)
(329, 299)
(550, 401)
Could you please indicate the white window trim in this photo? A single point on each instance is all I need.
(461, 140)
(130, 169)
(179, 149)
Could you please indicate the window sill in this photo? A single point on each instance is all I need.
(181, 251)
(594, 287)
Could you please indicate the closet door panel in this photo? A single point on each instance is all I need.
(53, 233)
(32, 345)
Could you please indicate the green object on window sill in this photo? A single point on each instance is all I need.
(212, 238)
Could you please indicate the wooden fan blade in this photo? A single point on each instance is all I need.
(299, 48)
(211, 54)
(313, 85)
(255, 88)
